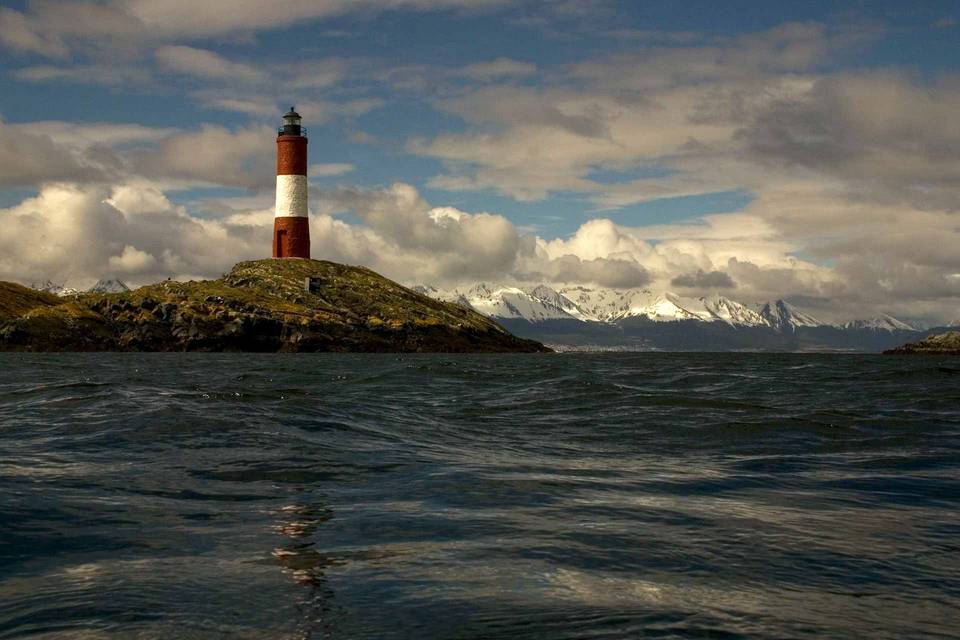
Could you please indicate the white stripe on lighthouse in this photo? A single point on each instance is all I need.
(291, 196)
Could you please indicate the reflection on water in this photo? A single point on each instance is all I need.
(204, 496)
(307, 567)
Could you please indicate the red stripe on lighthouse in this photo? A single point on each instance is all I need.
(291, 237)
(291, 156)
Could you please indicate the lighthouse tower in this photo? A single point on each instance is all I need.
(291, 227)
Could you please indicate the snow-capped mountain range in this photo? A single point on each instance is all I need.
(542, 303)
(641, 319)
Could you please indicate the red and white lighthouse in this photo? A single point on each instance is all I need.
(291, 227)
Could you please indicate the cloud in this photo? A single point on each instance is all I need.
(56, 28)
(215, 155)
(80, 233)
(35, 153)
(29, 156)
(205, 64)
(498, 68)
(330, 169)
(882, 134)
(704, 280)
(617, 273)
(310, 73)
(131, 260)
(786, 48)
(650, 36)
(21, 35)
(227, 100)
(184, 17)
(681, 109)
(111, 75)
(319, 111)
(454, 245)
(53, 29)
(87, 136)
(41, 152)
(528, 142)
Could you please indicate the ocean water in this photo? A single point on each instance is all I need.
(432, 496)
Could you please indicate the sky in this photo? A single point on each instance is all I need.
(808, 151)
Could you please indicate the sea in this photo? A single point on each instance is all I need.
(568, 495)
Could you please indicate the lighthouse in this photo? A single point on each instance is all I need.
(291, 227)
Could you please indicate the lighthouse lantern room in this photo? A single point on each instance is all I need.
(291, 227)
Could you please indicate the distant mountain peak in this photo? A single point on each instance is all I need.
(109, 285)
(783, 316)
(883, 322)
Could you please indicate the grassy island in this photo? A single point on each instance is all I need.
(290, 305)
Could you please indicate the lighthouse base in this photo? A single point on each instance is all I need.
(291, 237)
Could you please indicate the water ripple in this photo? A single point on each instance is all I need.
(562, 496)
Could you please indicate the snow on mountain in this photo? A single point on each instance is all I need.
(109, 285)
(56, 289)
(607, 305)
(553, 297)
(541, 303)
(598, 304)
(669, 307)
(883, 322)
(783, 316)
(733, 312)
(610, 305)
(443, 295)
(511, 302)
(497, 301)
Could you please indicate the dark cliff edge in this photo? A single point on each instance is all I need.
(261, 305)
(941, 344)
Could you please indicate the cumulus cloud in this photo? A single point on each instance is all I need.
(131, 260)
(79, 234)
(454, 244)
(132, 230)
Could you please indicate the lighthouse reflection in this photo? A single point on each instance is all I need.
(306, 566)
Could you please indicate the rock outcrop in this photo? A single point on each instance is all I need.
(262, 305)
(941, 344)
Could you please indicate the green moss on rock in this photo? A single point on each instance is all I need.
(262, 305)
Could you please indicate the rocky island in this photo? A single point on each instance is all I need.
(947, 343)
(292, 305)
